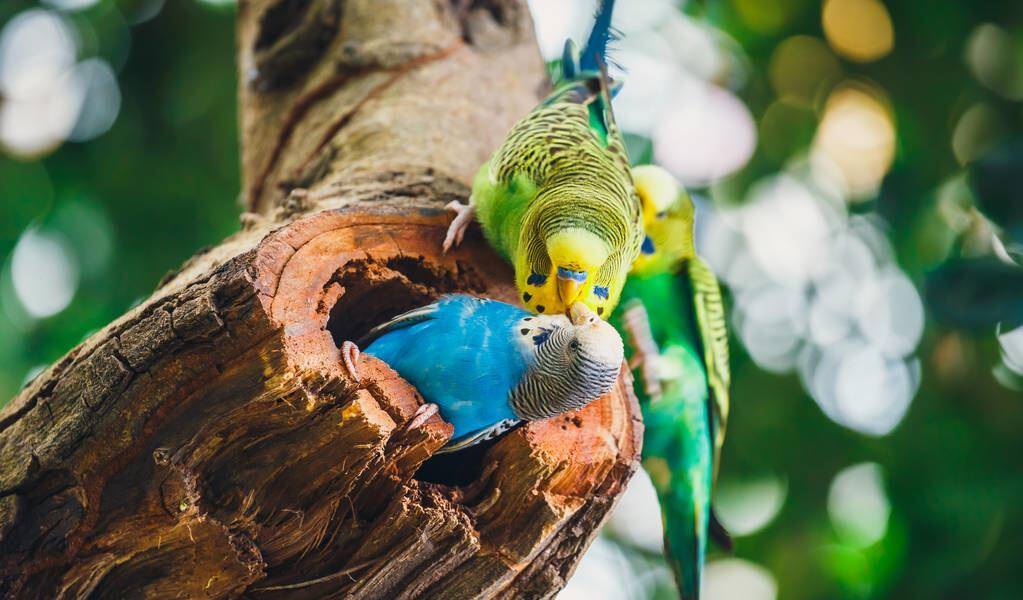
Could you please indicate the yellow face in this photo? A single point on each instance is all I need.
(576, 256)
(667, 220)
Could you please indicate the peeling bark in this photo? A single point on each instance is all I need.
(209, 444)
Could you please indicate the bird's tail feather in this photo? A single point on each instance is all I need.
(594, 56)
(685, 544)
(595, 52)
(718, 533)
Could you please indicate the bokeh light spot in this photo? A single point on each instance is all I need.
(977, 131)
(88, 228)
(745, 507)
(857, 135)
(40, 97)
(802, 68)
(760, 15)
(707, 134)
(891, 313)
(995, 60)
(637, 518)
(1011, 343)
(647, 94)
(101, 101)
(44, 272)
(556, 21)
(860, 30)
(733, 578)
(817, 290)
(858, 505)
(71, 5)
(603, 572)
(36, 47)
(786, 227)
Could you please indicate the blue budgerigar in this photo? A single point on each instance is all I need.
(488, 365)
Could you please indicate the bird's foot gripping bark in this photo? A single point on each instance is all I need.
(464, 214)
(646, 355)
(350, 355)
(423, 414)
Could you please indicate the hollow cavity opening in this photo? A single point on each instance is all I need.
(375, 291)
(457, 469)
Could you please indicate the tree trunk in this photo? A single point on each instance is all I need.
(208, 443)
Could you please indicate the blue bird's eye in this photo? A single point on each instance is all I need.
(574, 345)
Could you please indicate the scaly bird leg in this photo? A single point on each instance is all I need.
(423, 414)
(646, 354)
(350, 355)
(464, 214)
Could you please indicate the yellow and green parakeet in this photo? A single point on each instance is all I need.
(673, 315)
(557, 198)
(667, 221)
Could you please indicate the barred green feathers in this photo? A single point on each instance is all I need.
(557, 198)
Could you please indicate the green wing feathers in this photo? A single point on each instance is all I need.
(500, 204)
(713, 330)
(685, 426)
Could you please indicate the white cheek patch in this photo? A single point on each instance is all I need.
(529, 327)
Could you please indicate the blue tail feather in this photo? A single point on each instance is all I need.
(594, 54)
(594, 57)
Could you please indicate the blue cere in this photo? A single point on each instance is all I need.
(564, 273)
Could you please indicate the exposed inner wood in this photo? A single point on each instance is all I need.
(209, 444)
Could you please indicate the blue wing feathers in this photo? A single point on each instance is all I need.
(463, 357)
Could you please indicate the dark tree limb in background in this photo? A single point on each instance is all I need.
(208, 443)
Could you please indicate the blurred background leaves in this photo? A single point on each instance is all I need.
(118, 125)
(854, 164)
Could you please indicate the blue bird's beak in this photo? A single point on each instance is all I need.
(570, 285)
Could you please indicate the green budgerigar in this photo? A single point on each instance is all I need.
(673, 316)
(557, 198)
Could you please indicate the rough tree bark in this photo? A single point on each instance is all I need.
(208, 444)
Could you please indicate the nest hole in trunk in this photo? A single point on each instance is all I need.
(378, 290)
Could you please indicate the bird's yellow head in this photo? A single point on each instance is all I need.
(576, 255)
(667, 220)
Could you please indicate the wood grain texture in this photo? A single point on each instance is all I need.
(209, 444)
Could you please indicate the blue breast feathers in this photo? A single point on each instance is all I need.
(460, 353)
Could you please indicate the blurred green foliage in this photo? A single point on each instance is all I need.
(163, 182)
(158, 186)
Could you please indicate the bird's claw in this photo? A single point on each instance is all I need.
(646, 355)
(350, 355)
(464, 214)
(651, 376)
(423, 414)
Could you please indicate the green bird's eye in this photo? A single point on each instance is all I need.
(662, 214)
